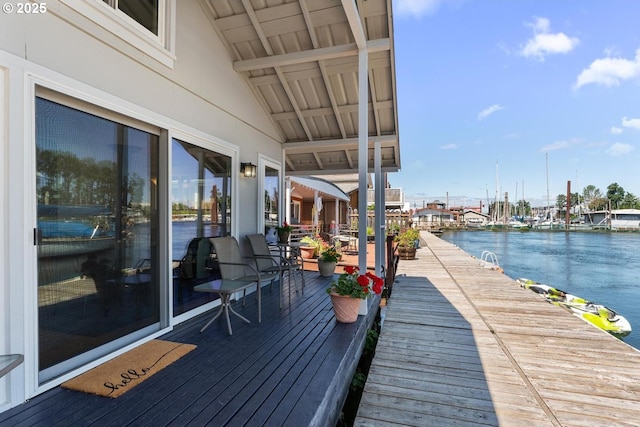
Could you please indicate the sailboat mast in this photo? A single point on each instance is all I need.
(486, 189)
(523, 211)
(515, 201)
(497, 190)
(548, 203)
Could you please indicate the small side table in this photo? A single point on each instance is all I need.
(225, 288)
(8, 362)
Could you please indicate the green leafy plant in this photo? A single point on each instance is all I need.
(330, 254)
(408, 237)
(285, 228)
(315, 242)
(352, 283)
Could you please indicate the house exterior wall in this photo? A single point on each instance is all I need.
(198, 96)
(474, 218)
(622, 219)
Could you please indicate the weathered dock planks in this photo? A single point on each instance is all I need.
(465, 345)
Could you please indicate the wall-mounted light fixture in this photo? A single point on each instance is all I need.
(248, 170)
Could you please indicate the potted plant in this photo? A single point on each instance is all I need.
(328, 259)
(349, 290)
(407, 243)
(310, 246)
(283, 232)
(370, 235)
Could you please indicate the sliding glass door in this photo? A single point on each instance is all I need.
(200, 209)
(97, 234)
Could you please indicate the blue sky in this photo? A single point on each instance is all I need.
(513, 83)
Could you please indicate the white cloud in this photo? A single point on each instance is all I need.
(417, 8)
(616, 130)
(544, 43)
(610, 71)
(449, 147)
(619, 149)
(631, 123)
(488, 111)
(561, 145)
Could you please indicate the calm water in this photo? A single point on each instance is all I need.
(601, 267)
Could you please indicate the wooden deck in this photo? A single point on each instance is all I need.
(293, 369)
(463, 345)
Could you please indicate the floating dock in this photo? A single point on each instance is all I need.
(466, 345)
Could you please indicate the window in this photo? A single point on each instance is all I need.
(271, 199)
(296, 209)
(200, 209)
(97, 198)
(144, 12)
(148, 25)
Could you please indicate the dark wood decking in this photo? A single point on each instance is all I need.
(463, 345)
(293, 369)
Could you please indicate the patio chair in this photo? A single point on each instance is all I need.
(269, 261)
(237, 274)
(195, 263)
(346, 240)
(195, 267)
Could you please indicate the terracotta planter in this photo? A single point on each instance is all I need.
(326, 268)
(345, 308)
(307, 252)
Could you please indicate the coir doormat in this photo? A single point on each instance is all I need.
(115, 377)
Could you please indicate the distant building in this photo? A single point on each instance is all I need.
(619, 219)
(473, 218)
(428, 217)
(436, 204)
(459, 211)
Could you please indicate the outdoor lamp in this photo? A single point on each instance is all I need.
(248, 170)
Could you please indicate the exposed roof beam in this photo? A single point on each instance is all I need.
(323, 70)
(374, 102)
(353, 17)
(213, 17)
(315, 112)
(335, 144)
(292, 100)
(283, 81)
(292, 166)
(256, 25)
(352, 164)
(323, 53)
(318, 160)
(305, 172)
(307, 19)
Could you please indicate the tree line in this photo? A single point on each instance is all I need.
(591, 198)
(595, 200)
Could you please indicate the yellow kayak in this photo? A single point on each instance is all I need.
(596, 314)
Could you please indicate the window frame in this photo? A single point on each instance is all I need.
(263, 163)
(160, 47)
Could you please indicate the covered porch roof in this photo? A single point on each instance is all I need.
(300, 59)
(306, 188)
